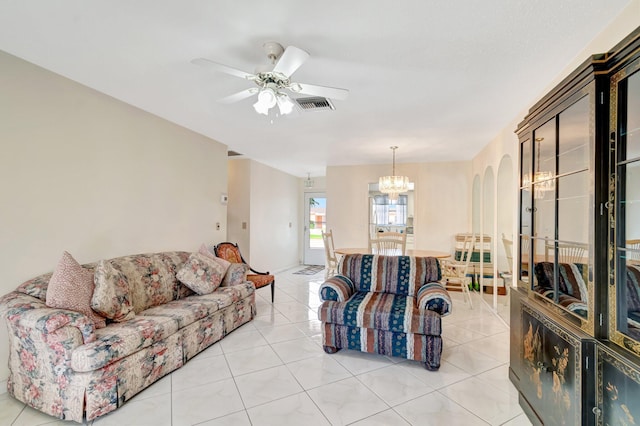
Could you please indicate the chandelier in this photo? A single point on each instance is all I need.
(542, 181)
(393, 185)
(308, 183)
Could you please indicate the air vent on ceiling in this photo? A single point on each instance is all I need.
(232, 153)
(315, 102)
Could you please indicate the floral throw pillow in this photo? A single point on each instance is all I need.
(111, 297)
(236, 274)
(206, 252)
(71, 287)
(201, 274)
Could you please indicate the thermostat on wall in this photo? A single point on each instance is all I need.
(224, 198)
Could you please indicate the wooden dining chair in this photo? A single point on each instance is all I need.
(389, 243)
(567, 252)
(331, 260)
(454, 272)
(633, 251)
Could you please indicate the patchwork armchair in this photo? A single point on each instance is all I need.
(231, 253)
(388, 305)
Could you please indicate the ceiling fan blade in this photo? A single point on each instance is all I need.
(290, 60)
(324, 91)
(238, 96)
(221, 68)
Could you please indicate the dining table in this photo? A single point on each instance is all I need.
(409, 252)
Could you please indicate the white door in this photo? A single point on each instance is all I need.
(315, 208)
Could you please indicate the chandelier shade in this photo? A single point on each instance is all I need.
(308, 183)
(543, 181)
(394, 184)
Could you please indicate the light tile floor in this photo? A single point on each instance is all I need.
(273, 371)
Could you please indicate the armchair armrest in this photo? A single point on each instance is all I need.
(28, 313)
(434, 297)
(257, 272)
(338, 288)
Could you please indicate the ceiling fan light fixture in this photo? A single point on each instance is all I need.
(284, 104)
(261, 108)
(267, 97)
(266, 101)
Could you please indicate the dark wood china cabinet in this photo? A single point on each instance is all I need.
(575, 317)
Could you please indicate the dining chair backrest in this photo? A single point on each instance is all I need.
(455, 272)
(329, 252)
(633, 250)
(567, 252)
(389, 243)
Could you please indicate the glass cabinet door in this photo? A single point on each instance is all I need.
(525, 211)
(625, 105)
(560, 182)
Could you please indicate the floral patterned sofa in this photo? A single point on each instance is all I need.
(61, 364)
(388, 305)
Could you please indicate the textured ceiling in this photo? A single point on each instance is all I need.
(439, 79)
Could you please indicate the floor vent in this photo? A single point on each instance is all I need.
(232, 153)
(315, 103)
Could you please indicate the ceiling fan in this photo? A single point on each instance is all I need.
(275, 80)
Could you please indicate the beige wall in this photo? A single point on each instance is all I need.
(239, 207)
(442, 202)
(275, 216)
(83, 172)
(268, 200)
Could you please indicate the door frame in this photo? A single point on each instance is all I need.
(311, 255)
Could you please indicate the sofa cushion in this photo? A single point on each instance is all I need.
(382, 311)
(184, 312)
(390, 274)
(119, 340)
(71, 287)
(225, 296)
(236, 274)
(152, 278)
(193, 308)
(111, 297)
(201, 274)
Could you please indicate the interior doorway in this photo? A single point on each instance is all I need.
(315, 209)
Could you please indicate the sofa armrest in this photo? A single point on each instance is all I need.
(29, 313)
(434, 297)
(338, 288)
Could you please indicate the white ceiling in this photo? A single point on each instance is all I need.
(439, 79)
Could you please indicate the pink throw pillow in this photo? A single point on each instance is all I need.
(71, 287)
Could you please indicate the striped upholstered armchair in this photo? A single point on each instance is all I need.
(388, 305)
